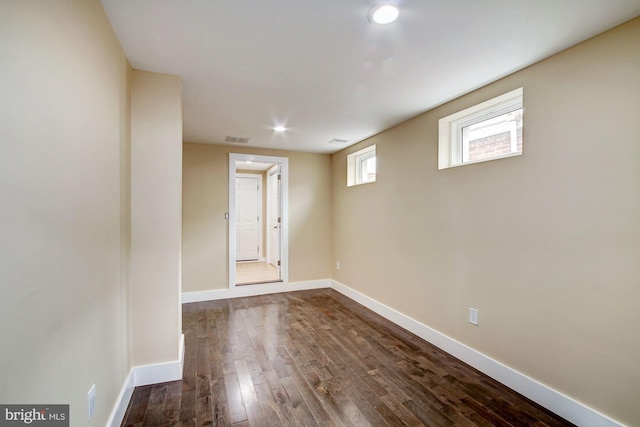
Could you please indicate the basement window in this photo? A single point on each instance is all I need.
(487, 131)
(361, 166)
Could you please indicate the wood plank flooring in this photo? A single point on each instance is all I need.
(316, 358)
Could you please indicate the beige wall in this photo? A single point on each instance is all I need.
(205, 235)
(546, 245)
(64, 206)
(156, 217)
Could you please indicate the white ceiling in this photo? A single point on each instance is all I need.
(321, 69)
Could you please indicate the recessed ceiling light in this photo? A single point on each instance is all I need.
(279, 128)
(384, 13)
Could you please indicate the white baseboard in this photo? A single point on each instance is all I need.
(145, 375)
(254, 290)
(119, 410)
(160, 372)
(551, 399)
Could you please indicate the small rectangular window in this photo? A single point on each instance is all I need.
(487, 131)
(361, 166)
(491, 138)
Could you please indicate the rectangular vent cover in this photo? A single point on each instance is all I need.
(237, 139)
(338, 141)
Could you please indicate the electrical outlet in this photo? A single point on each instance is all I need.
(473, 316)
(337, 265)
(91, 396)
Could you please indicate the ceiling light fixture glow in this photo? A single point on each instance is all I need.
(279, 128)
(384, 13)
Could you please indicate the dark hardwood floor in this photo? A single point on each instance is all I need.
(317, 358)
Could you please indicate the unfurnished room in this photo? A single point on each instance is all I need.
(319, 213)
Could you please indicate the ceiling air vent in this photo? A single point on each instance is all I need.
(338, 141)
(236, 139)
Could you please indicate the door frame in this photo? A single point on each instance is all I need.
(268, 218)
(258, 178)
(284, 200)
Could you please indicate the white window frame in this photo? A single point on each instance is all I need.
(450, 150)
(354, 165)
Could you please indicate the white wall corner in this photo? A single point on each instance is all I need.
(549, 398)
(160, 372)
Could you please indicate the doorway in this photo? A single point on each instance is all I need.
(258, 234)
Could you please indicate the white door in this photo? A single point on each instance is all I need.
(274, 215)
(248, 212)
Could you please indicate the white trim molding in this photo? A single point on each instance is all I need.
(120, 408)
(284, 214)
(551, 399)
(145, 375)
(254, 290)
(450, 140)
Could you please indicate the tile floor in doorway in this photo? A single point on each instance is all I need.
(248, 272)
